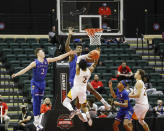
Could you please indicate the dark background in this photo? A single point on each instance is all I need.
(38, 12)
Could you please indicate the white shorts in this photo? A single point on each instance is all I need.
(141, 110)
(77, 92)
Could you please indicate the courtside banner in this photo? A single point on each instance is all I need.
(63, 82)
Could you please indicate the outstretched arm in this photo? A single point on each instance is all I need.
(50, 60)
(111, 89)
(30, 66)
(67, 47)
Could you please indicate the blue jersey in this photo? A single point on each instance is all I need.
(122, 96)
(40, 71)
(72, 70)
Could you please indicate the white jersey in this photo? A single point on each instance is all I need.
(81, 80)
(143, 99)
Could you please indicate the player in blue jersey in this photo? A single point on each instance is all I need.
(40, 67)
(126, 111)
(72, 63)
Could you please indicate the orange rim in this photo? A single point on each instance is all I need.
(91, 32)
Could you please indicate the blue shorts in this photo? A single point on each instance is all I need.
(124, 114)
(37, 88)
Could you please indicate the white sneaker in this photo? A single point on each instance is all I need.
(39, 127)
(35, 123)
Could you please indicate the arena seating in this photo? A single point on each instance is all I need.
(18, 53)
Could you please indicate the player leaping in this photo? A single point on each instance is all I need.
(142, 106)
(72, 63)
(79, 89)
(40, 67)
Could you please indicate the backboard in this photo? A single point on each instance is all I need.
(82, 14)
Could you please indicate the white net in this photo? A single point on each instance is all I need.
(95, 36)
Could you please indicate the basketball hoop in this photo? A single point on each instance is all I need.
(94, 35)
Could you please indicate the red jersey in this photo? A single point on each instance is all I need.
(96, 84)
(45, 108)
(4, 107)
(126, 70)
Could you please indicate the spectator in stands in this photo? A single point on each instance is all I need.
(3, 114)
(56, 40)
(159, 109)
(98, 85)
(92, 107)
(52, 36)
(149, 88)
(25, 120)
(124, 72)
(46, 105)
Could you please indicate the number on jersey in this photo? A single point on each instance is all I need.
(85, 79)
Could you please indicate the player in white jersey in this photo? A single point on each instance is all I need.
(142, 106)
(80, 86)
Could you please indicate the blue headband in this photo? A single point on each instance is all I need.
(123, 83)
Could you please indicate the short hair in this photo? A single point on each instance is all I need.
(123, 61)
(83, 64)
(79, 44)
(142, 73)
(37, 50)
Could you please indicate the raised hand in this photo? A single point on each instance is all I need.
(110, 83)
(70, 30)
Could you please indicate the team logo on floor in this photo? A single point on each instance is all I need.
(64, 122)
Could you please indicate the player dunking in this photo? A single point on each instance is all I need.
(80, 86)
(72, 63)
(126, 111)
(141, 107)
(40, 67)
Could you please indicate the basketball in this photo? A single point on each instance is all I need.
(94, 54)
